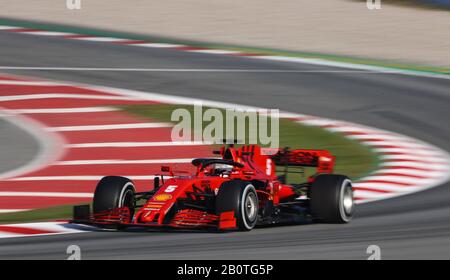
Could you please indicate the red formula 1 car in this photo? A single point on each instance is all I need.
(236, 191)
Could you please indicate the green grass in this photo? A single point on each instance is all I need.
(36, 215)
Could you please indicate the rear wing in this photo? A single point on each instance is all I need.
(268, 158)
(321, 159)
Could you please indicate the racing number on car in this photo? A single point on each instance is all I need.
(170, 188)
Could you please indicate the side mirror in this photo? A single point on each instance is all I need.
(167, 169)
(156, 185)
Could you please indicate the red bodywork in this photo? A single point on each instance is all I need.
(258, 166)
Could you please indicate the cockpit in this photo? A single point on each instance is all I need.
(215, 166)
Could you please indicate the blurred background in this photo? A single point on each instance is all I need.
(413, 31)
(212, 50)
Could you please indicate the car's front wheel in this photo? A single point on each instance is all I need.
(114, 192)
(241, 198)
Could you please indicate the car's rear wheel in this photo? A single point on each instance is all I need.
(241, 198)
(331, 199)
(114, 192)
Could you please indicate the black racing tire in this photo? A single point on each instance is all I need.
(241, 198)
(331, 199)
(114, 192)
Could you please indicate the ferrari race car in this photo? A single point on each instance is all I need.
(237, 190)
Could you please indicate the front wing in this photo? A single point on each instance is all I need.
(183, 219)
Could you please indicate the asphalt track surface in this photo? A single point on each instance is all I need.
(415, 226)
(21, 146)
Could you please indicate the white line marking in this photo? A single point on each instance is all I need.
(341, 127)
(109, 127)
(62, 95)
(8, 235)
(157, 45)
(213, 51)
(120, 161)
(47, 33)
(135, 144)
(30, 83)
(370, 195)
(387, 136)
(101, 39)
(406, 172)
(56, 228)
(46, 194)
(400, 179)
(4, 27)
(320, 122)
(437, 166)
(404, 157)
(12, 210)
(397, 144)
(65, 110)
(384, 187)
(52, 226)
(410, 151)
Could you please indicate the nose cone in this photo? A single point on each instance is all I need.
(150, 213)
(149, 216)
